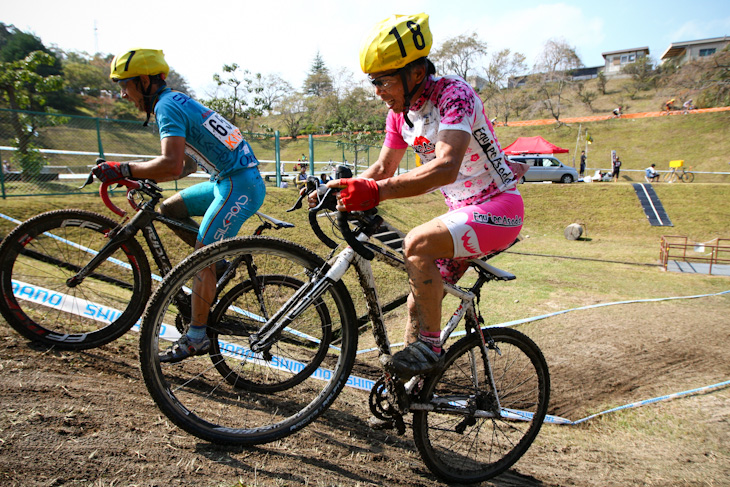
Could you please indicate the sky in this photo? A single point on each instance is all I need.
(283, 36)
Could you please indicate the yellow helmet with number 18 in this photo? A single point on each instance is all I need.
(136, 62)
(395, 42)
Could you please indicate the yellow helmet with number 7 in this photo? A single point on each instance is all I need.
(395, 42)
(136, 62)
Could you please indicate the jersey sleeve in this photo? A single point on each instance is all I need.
(456, 106)
(393, 136)
(170, 120)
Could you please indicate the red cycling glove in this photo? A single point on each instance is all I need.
(110, 171)
(359, 194)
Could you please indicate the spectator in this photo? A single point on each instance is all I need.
(323, 178)
(582, 162)
(651, 174)
(302, 177)
(616, 168)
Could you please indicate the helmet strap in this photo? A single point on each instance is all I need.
(150, 99)
(409, 94)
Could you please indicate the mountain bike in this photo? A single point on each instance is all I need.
(76, 279)
(284, 341)
(682, 175)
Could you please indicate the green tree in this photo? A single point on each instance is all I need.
(319, 81)
(459, 55)
(238, 97)
(23, 88)
(177, 82)
(643, 76)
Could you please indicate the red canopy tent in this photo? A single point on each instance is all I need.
(532, 145)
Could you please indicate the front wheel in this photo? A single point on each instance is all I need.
(472, 432)
(39, 258)
(688, 177)
(670, 177)
(233, 395)
(566, 179)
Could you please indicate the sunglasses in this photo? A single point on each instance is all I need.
(379, 82)
(123, 82)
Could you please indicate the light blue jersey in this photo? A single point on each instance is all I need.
(215, 144)
(236, 190)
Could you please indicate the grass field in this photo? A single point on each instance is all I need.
(551, 269)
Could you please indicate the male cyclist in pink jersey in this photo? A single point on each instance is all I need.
(443, 120)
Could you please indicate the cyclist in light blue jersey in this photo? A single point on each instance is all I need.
(191, 136)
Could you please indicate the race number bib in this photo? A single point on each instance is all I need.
(222, 130)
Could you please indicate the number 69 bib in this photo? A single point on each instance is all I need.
(224, 131)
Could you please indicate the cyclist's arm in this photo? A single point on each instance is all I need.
(166, 167)
(386, 165)
(442, 170)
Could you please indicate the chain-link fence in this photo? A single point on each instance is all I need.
(51, 154)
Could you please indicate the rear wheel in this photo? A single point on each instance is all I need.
(232, 322)
(234, 395)
(38, 259)
(473, 434)
(688, 177)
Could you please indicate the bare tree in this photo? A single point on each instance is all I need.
(272, 90)
(458, 55)
(553, 73)
(504, 65)
(293, 112)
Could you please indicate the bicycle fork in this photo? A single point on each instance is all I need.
(299, 302)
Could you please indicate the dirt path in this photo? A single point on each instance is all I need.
(70, 419)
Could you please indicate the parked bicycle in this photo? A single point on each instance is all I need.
(284, 339)
(77, 279)
(680, 174)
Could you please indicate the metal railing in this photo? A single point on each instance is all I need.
(678, 248)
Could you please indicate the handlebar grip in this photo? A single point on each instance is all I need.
(356, 245)
(104, 194)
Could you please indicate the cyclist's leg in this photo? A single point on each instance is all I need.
(236, 198)
(464, 233)
(192, 201)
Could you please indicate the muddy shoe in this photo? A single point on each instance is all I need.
(184, 348)
(380, 424)
(416, 359)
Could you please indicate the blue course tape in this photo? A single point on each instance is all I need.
(557, 419)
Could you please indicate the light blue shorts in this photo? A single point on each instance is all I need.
(225, 204)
